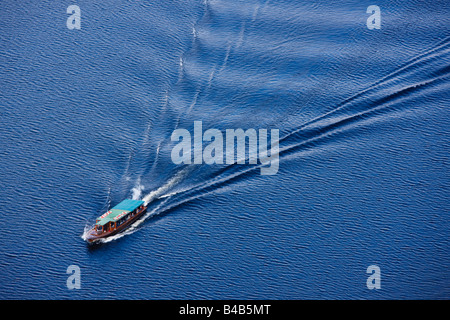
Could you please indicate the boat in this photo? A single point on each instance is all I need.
(116, 219)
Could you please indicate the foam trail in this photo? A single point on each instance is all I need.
(338, 125)
(87, 227)
(164, 188)
(137, 190)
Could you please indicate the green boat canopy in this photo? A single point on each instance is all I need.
(120, 210)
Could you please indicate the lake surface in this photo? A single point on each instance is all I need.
(86, 118)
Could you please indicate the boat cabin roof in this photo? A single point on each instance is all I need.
(120, 210)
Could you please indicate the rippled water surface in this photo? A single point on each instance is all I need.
(363, 119)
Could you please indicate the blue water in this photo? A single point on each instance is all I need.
(86, 120)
